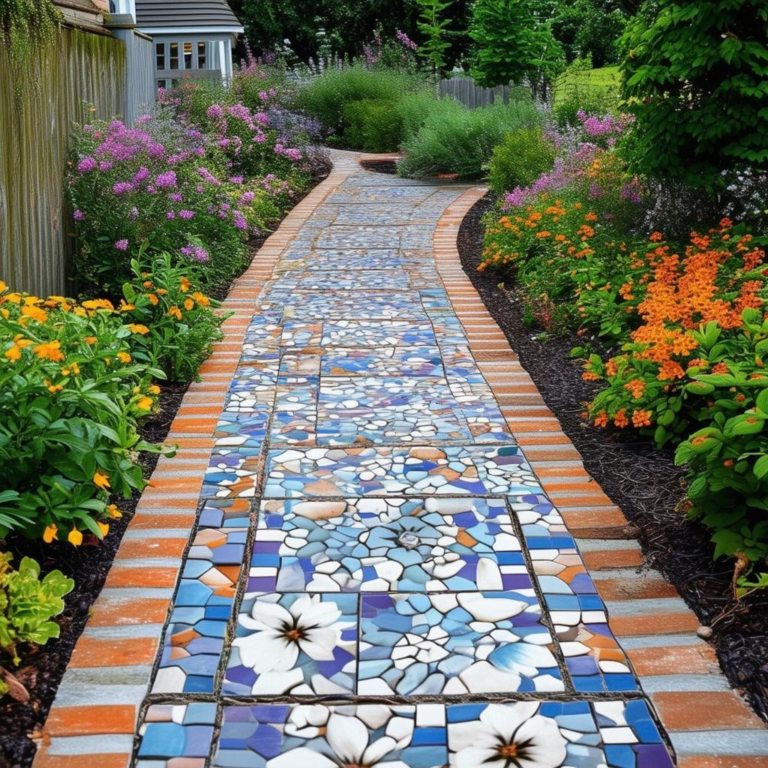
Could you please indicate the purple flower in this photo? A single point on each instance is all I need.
(236, 179)
(166, 180)
(87, 164)
(121, 245)
(195, 252)
(134, 212)
(206, 175)
(177, 198)
(79, 215)
(105, 166)
(141, 175)
(186, 214)
(170, 215)
(215, 112)
(122, 188)
(155, 150)
(248, 197)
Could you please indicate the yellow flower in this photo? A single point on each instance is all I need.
(174, 311)
(14, 298)
(101, 480)
(137, 328)
(189, 305)
(13, 354)
(50, 533)
(35, 313)
(185, 284)
(114, 512)
(104, 528)
(22, 342)
(126, 307)
(145, 404)
(3, 287)
(53, 388)
(154, 389)
(153, 299)
(123, 357)
(79, 311)
(75, 538)
(162, 291)
(201, 299)
(49, 351)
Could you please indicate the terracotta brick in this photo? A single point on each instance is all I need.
(194, 426)
(176, 484)
(147, 548)
(591, 497)
(44, 760)
(698, 659)
(561, 472)
(159, 522)
(556, 439)
(91, 721)
(200, 410)
(164, 502)
(124, 576)
(634, 588)
(710, 711)
(615, 558)
(554, 454)
(661, 624)
(596, 524)
(114, 652)
(124, 613)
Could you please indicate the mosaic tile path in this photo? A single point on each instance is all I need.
(380, 572)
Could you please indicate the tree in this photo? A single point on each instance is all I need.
(433, 26)
(696, 77)
(590, 29)
(513, 42)
(349, 24)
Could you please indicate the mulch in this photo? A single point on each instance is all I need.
(42, 668)
(639, 479)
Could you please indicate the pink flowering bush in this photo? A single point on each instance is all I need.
(157, 187)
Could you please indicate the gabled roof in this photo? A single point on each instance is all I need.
(186, 14)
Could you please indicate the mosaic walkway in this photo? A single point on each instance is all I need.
(377, 577)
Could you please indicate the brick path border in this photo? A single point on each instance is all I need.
(93, 719)
(709, 724)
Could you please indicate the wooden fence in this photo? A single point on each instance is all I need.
(473, 96)
(34, 132)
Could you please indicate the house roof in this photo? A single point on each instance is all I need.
(186, 14)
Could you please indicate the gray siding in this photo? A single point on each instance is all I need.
(184, 13)
(463, 89)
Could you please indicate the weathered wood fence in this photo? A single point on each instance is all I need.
(473, 96)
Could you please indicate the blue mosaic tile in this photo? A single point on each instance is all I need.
(383, 544)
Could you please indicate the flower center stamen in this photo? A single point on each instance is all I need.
(508, 750)
(294, 634)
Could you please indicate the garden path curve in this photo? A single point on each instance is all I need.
(376, 546)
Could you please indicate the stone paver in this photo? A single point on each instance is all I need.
(390, 562)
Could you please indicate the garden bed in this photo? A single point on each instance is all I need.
(43, 668)
(641, 480)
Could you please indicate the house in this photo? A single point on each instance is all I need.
(191, 37)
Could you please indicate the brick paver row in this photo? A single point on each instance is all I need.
(377, 546)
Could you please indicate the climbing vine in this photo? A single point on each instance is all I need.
(26, 28)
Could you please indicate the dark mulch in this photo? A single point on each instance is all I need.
(380, 166)
(42, 668)
(642, 481)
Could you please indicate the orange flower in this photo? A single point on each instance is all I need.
(35, 313)
(114, 512)
(620, 420)
(203, 300)
(13, 354)
(656, 237)
(589, 376)
(101, 480)
(145, 404)
(123, 357)
(90, 340)
(641, 419)
(636, 387)
(153, 299)
(75, 538)
(189, 305)
(50, 533)
(542, 235)
(174, 311)
(602, 419)
(140, 329)
(186, 285)
(104, 528)
(49, 351)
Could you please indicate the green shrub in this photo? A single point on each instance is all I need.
(27, 605)
(696, 81)
(328, 96)
(71, 397)
(414, 110)
(520, 159)
(455, 139)
(373, 126)
(594, 91)
(173, 323)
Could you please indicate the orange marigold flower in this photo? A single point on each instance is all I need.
(101, 481)
(602, 419)
(189, 305)
(591, 216)
(13, 354)
(589, 376)
(543, 234)
(620, 420)
(35, 313)
(153, 299)
(204, 301)
(114, 512)
(90, 340)
(656, 237)
(174, 311)
(641, 419)
(720, 368)
(140, 329)
(145, 404)
(123, 357)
